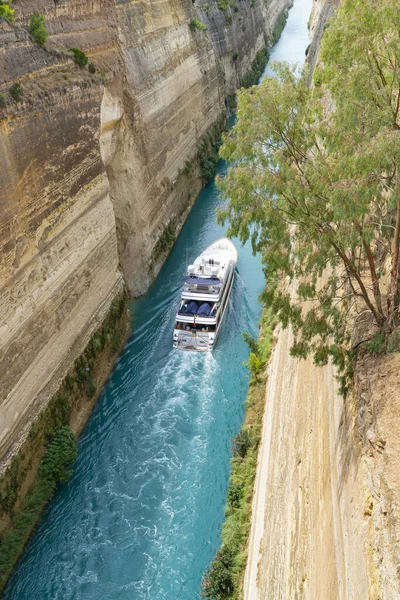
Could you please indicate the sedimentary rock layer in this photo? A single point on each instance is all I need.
(92, 165)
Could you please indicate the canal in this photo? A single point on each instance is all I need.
(140, 518)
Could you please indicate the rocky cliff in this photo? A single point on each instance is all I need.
(327, 491)
(92, 165)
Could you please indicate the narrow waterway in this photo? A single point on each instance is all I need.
(140, 518)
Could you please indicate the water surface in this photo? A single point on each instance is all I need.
(140, 518)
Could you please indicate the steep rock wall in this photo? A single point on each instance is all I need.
(327, 492)
(92, 166)
(59, 261)
(173, 88)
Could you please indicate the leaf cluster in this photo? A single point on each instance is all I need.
(80, 57)
(314, 179)
(6, 12)
(37, 29)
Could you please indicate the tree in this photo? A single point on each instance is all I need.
(37, 29)
(315, 181)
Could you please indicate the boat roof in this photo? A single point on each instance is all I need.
(221, 252)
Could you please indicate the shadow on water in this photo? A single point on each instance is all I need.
(140, 518)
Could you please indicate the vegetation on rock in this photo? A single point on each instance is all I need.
(196, 24)
(257, 68)
(16, 92)
(80, 57)
(3, 100)
(223, 580)
(315, 182)
(51, 439)
(6, 12)
(54, 469)
(37, 29)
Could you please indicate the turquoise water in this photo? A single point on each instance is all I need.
(140, 518)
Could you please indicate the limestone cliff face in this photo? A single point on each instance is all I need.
(92, 166)
(327, 492)
(59, 261)
(173, 87)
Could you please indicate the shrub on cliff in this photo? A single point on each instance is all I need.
(257, 68)
(196, 24)
(80, 57)
(6, 12)
(218, 582)
(3, 100)
(37, 29)
(60, 453)
(16, 92)
(53, 470)
(92, 68)
(241, 443)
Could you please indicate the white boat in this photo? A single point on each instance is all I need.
(205, 296)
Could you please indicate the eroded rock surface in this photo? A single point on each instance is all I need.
(92, 166)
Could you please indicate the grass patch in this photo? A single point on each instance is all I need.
(223, 580)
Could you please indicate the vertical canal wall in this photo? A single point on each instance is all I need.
(99, 169)
(327, 491)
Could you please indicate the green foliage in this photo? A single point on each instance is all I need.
(54, 469)
(317, 78)
(6, 12)
(165, 241)
(231, 102)
(3, 100)
(60, 453)
(256, 362)
(235, 55)
(217, 582)
(16, 92)
(234, 495)
(9, 493)
(224, 578)
(279, 26)
(209, 148)
(80, 57)
(196, 24)
(252, 343)
(257, 68)
(225, 4)
(50, 433)
(37, 29)
(92, 68)
(313, 188)
(241, 443)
